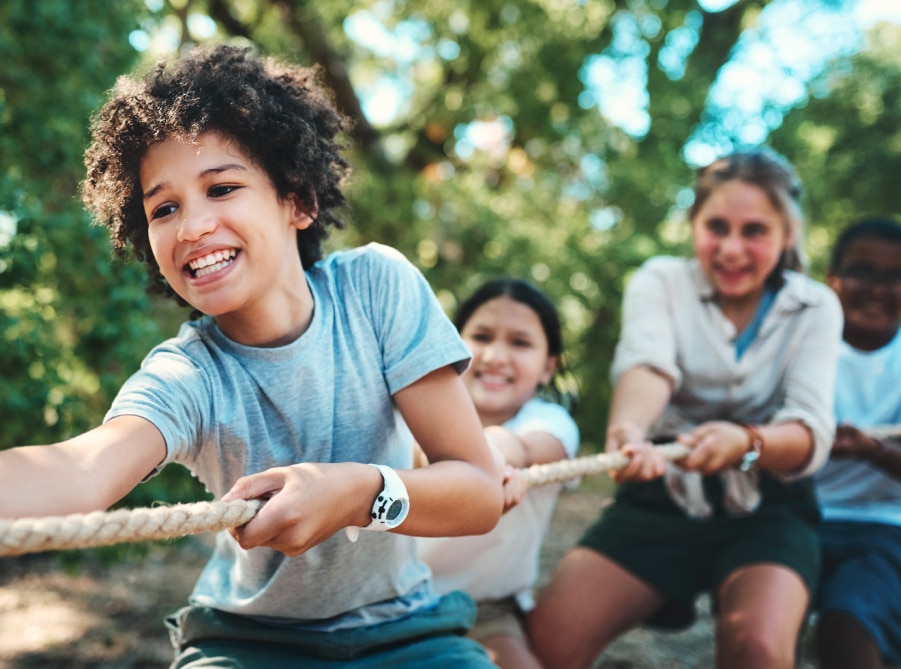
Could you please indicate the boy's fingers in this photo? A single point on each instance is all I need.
(256, 485)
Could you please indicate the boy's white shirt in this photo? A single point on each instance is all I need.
(868, 393)
(227, 410)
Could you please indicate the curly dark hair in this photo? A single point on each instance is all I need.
(277, 114)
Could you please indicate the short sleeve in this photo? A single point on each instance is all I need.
(171, 391)
(542, 416)
(648, 336)
(809, 390)
(415, 335)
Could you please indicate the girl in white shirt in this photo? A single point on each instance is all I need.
(513, 332)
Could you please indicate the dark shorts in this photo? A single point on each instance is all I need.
(208, 638)
(862, 577)
(646, 533)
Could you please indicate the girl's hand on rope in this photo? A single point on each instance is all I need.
(515, 486)
(645, 463)
(307, 504)
(504, 448)
(715, 446)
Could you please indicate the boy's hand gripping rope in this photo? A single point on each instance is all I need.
(103, 528)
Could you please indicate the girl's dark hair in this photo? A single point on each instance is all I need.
(772, 173)
(526, 293)
(276, 114)
(883, 229)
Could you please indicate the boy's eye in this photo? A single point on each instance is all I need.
(480, 337)
(222, 189)
(522, 343)
(871, 277)
(162, 211)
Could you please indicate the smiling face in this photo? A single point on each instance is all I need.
(509, 358)
(868, 284)
(223, 239)
(739, 236)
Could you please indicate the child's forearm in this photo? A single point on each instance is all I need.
(43, 481)
(86, 473)
(452, 498)
(640, 397)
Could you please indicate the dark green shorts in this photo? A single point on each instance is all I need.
(644, 532)
(207, 638)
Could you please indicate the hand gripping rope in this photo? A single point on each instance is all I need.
(102, 528)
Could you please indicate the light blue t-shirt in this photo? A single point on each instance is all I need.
(868, 393)
(227, 410)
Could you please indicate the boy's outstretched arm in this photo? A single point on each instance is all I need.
(85, 473)
(458, 493)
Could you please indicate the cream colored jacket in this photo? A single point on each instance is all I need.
(672, 324)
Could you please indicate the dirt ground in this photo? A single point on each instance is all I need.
(110, 617)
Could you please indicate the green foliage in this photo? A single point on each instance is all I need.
(846, 141)
(73, 324)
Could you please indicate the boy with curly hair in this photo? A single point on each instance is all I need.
(303, 383)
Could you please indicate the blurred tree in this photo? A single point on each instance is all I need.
(70, 321)
(73, 325)
(846, 141)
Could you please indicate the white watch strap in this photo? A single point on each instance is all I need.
(393, 489)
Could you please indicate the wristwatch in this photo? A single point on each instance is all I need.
(755, 447)
(390, 507)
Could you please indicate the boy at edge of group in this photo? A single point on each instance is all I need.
(304, 382)
(859, 488)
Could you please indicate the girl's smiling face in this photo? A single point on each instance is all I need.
(509, 358)
(739, 236)
(223, 238)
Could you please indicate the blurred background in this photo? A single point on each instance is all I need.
(548, 139)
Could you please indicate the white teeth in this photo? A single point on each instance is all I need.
(212, 268)
(212, 262)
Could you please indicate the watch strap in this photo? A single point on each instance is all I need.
(390, 507)
(755, 447)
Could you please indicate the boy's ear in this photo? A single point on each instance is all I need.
(833, 281)
(303, 215)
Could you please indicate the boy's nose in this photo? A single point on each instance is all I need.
(194, 226)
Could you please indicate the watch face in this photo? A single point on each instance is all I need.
(394, 510)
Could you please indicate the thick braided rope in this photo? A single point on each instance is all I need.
(563, 470)
(102, 528)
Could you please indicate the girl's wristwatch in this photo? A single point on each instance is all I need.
(390, 507)
(755, 447)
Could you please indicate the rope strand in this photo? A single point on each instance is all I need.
(103, 528)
